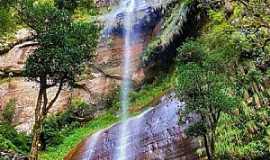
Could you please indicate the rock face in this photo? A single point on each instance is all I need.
(25, 93)
(153, 135)
(14, 60)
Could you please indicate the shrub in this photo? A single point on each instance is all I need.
(56, 127)
(10, 139)
(9, 110)
(6, 144)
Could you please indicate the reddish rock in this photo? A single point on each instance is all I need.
(153, 135)
(25, 94)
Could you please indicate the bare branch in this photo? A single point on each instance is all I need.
(56, 96)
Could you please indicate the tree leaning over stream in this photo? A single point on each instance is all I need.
(64, 47)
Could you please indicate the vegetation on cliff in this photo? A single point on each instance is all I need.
(223, 78)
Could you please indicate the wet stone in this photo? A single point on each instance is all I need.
(157, 135)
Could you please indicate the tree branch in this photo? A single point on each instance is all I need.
(55, 97)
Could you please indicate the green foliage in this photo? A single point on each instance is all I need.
(205, 92)
(57, 127)
(8, 19)
(6, 144)
(191, 51)
(234, 142)
(175, 17)
(75, 137)
(230, 59)
(64, 45)
(9, 111)
(12, 140)
(5, 20)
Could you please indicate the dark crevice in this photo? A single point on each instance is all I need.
(163, 58)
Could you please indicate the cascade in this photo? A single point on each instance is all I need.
(125, 87)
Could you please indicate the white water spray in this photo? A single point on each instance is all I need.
(91, 146)
(126, 85)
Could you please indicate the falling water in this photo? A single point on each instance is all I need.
(125, 88)
(91, 145)
(129, 9)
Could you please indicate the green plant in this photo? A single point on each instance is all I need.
(76, 135)
(9, 111)
(57, 127)
(207, 95)
(7, 145)
(175, 18)
(13, 140)
(8, 21)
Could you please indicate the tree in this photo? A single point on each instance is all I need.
(64, 47)
(206, 95)
(204, 80)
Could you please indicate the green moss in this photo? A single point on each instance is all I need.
(4, 80)
(147, 95)
(150, 94)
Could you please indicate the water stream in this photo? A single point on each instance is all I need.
(126, 84)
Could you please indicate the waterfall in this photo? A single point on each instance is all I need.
(91, 146)
(126, 84)
(124, 16)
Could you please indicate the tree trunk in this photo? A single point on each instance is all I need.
(42, 108)
(36, 140)
(212, 144)
(39, 117)
(37, 127)
(207, 147)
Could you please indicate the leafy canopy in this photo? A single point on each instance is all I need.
(65, 45)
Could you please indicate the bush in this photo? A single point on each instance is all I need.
(9, 110)
(6, 144)
(56, 127)
(10, 139)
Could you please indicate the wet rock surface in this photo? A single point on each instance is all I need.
(153, 135)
